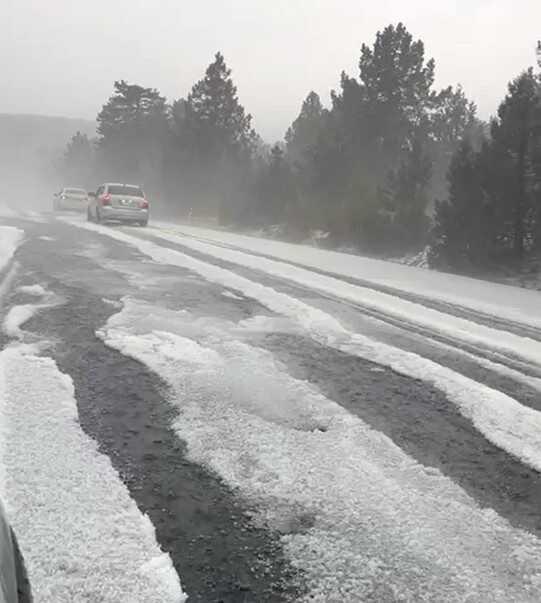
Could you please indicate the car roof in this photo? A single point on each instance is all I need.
(121, 184)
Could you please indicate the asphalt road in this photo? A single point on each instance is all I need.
(219, 547)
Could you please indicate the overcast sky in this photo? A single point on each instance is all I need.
(60, 57)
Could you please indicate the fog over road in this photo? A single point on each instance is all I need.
(188, 412)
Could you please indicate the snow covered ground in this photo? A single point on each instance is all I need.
(7, 212)
(347, 496)
(504, 421)
(494, 299)
(83, 537)
(392, 305)
(368, 507)
(18, 315)
(363, 520)
(10, 238)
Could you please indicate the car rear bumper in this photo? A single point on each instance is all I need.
(72, 204)
(124, 214)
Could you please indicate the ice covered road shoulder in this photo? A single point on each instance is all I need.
(192, 413)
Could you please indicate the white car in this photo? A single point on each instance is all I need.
(70, 198)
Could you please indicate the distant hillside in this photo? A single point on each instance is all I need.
(29, 147)
(40, 132)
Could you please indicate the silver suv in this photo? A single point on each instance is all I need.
(119, 203)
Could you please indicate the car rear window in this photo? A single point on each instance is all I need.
(75, 191)
(125, 189)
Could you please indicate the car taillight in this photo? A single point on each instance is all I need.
(143, 204)
(105, 199)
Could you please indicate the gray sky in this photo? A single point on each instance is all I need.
(60, 57)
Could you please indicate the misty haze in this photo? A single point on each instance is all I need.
(270, 301)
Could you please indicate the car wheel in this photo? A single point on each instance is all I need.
(144, 223)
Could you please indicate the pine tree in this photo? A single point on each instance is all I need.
(214, 144)
(453, 120)
(493, 211)
(397, 85)
(219, 122)
(132, 129)
(408, 197)
(303, 135)
(77, 166)
(463, 227)
(130, 106)
(377, 121)
(536, 174)
(276, 187)
(513, 139)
